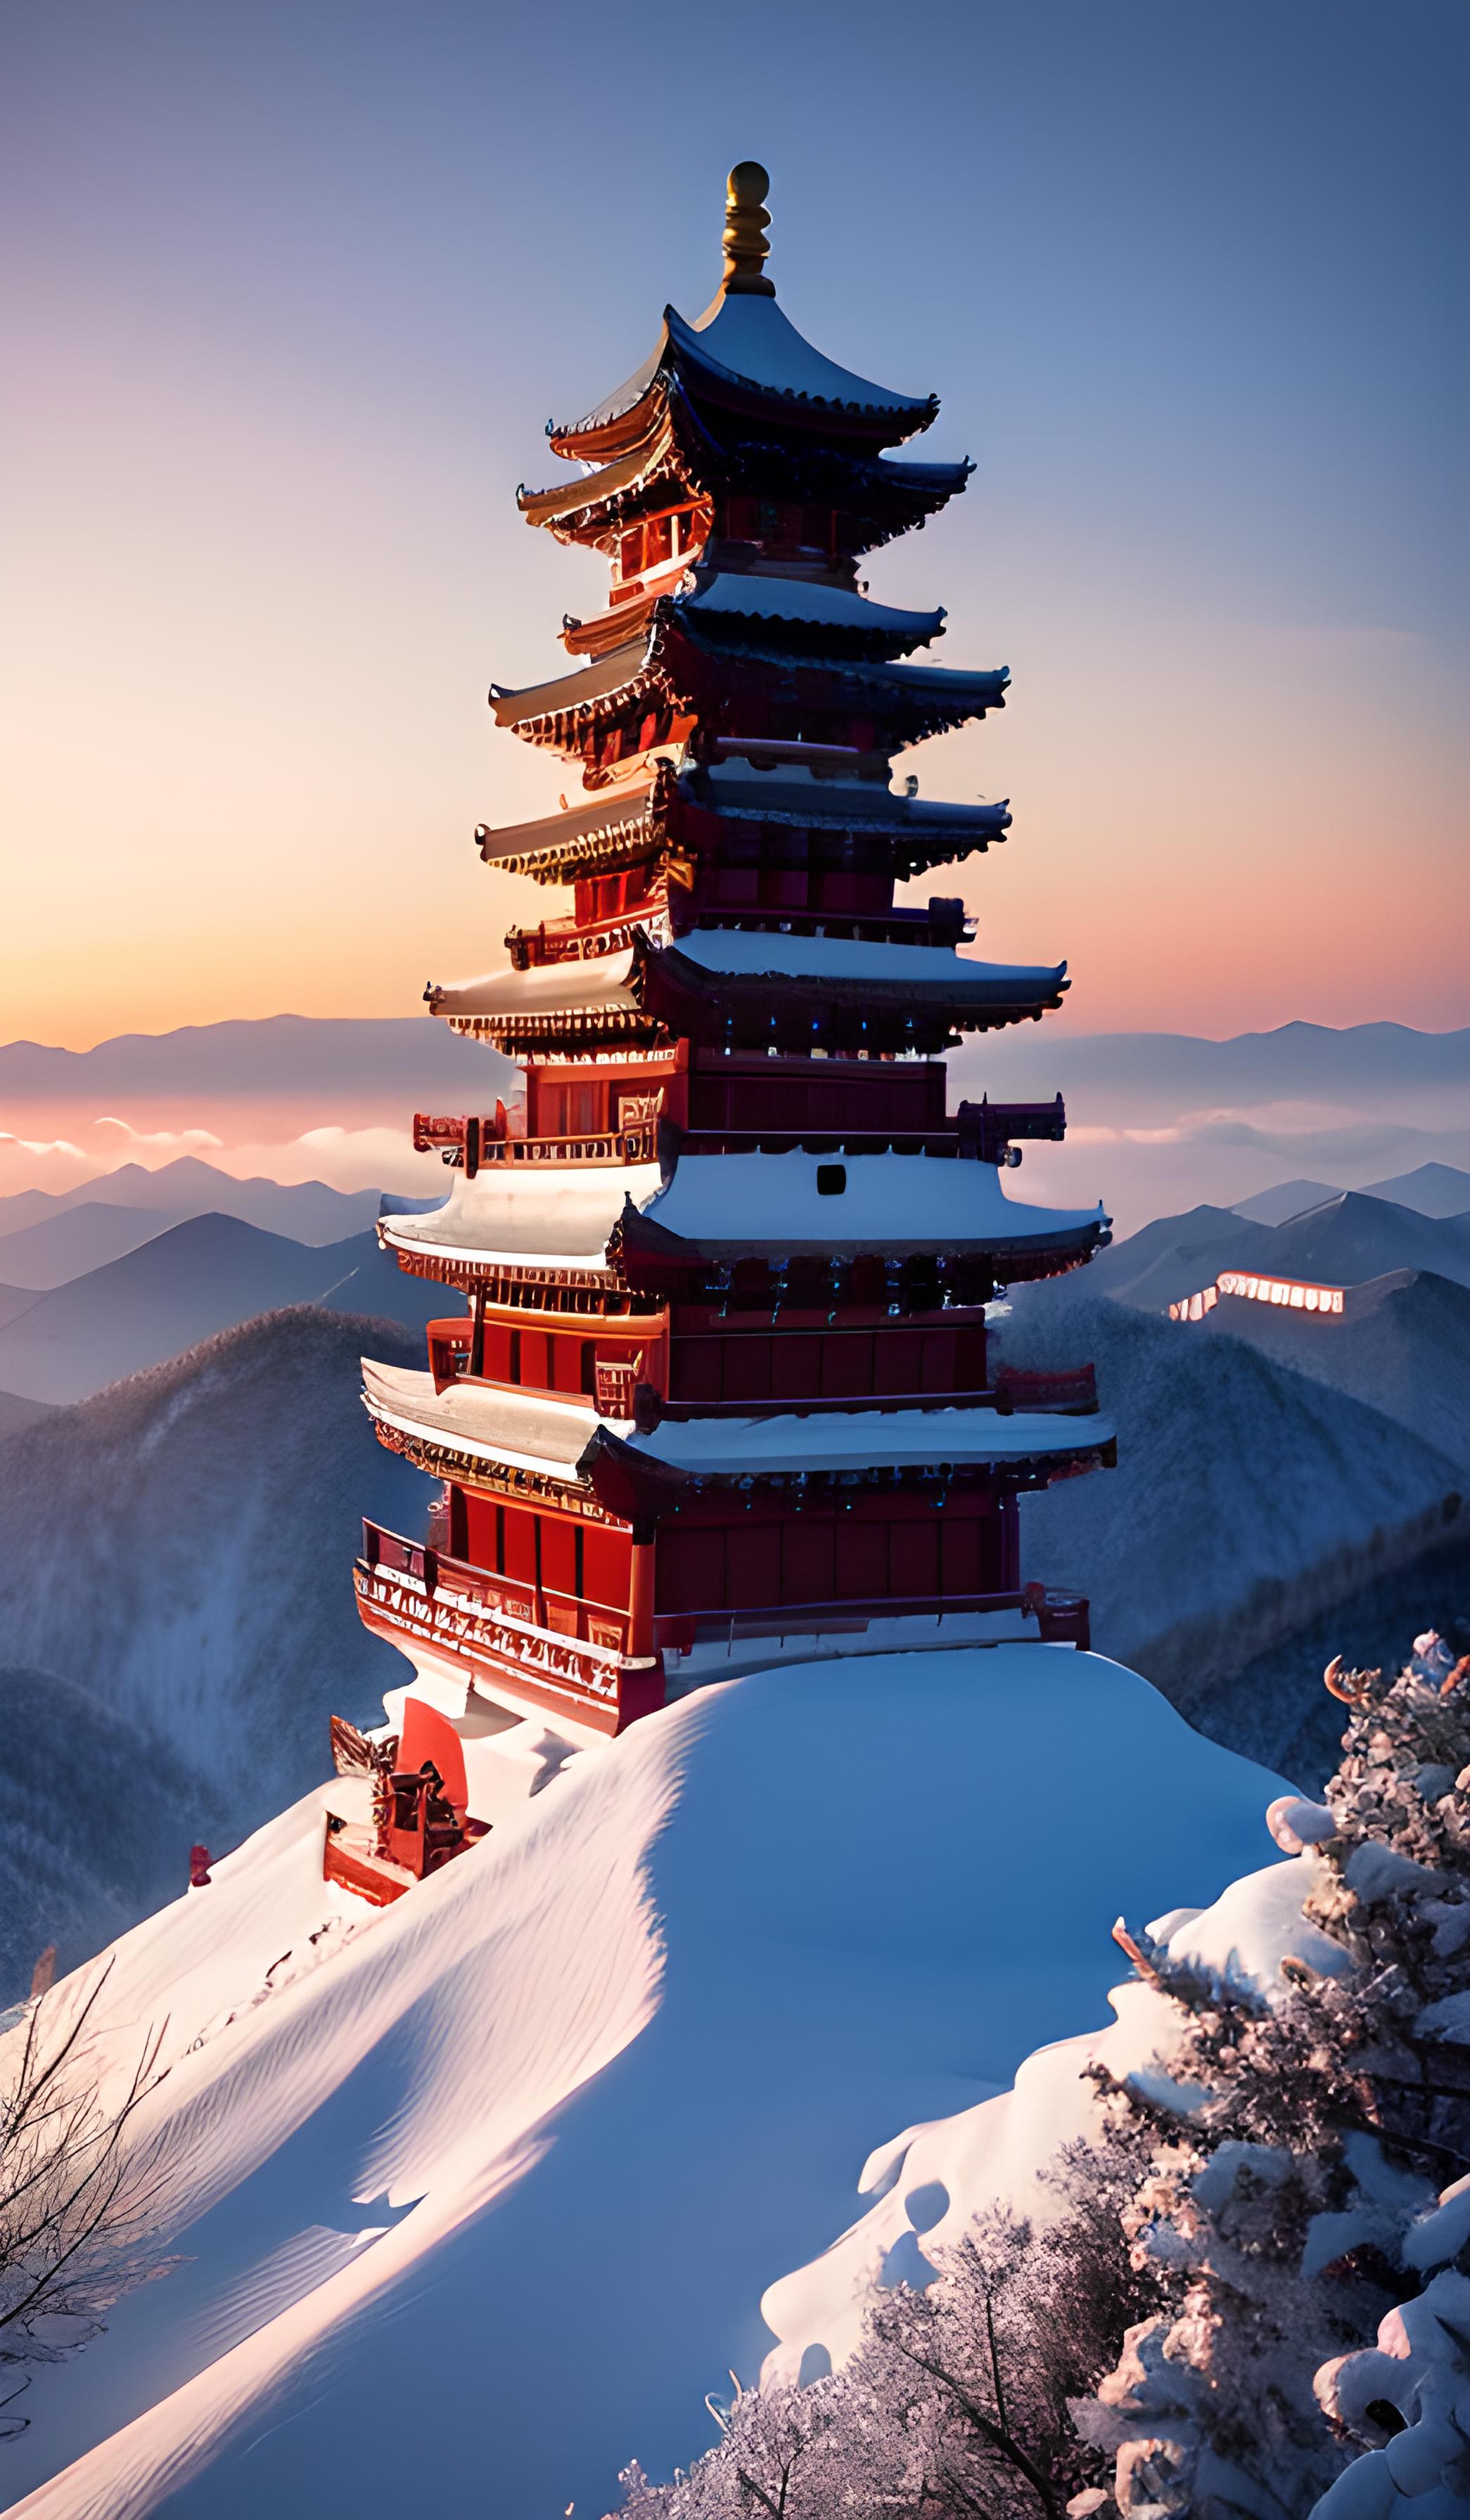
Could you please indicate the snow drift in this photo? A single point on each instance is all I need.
(505, 2168)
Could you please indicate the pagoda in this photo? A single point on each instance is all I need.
(720, 1390)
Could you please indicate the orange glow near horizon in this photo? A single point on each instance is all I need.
(270, 412)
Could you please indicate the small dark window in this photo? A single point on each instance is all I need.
(831, 1179)
(1385, 2415)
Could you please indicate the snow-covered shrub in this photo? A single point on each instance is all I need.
(958, 2398)
(1290, 2161)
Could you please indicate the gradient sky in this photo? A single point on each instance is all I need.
(293, 284)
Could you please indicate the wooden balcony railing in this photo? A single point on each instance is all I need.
(470, 1143)
(984, 1130)
(562, 1614)
(581, 941)
(944, 923)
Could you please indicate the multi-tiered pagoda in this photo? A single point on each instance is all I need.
(723, 1386)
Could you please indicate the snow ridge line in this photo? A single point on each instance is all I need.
(557, 1901)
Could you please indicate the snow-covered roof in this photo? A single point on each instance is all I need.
(530, 1431)
(607, 481)
(747, 341)
(865, 1439)
(617, 984)
(748, 952)
(601, 816)
(934, 693)
(793, 794)
(733, 786)
(565, 692)
(749, 595)
(527, 1429)
(729, 1204)
(553, 1215)
(597, 986)
(750, 341)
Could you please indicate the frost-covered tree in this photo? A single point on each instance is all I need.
(1290, 2162)
(957, 2402)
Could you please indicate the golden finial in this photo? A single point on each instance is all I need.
(747, 219)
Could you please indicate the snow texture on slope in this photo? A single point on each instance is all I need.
(505, 2169)
(1347, 1238)
(939, 2177)
(1403, 1349)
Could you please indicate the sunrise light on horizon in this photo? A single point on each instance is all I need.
(295, 288)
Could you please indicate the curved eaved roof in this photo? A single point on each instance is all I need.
(559, 1216)
(731, 1207)
(527, 1429)
(751, 595)
(751, 341)
(749, 344)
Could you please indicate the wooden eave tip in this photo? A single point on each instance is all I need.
(746, 242)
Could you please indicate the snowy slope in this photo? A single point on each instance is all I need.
(1349, 1238)
(1435, 1190)
(1279, 1204)
(1246, 1497)
(17, 1413)
(1405, 1349)
(936, 2179)
(503, 2170)
(180, 1549)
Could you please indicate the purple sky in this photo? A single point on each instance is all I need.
(294, 286)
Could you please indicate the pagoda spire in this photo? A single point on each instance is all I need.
(746, 242)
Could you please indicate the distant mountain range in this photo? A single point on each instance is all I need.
(187, 1284)
(1298, 1061)
(177, 1619)
(47, 1237)
(341, 1059)
(333, 1059)
(1247, 1497)
(1431, 1190)
(1347, 1240)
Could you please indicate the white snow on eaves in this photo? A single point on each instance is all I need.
(923, 1201)
(553, 1215)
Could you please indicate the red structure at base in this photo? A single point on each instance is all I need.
(419, 1815)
